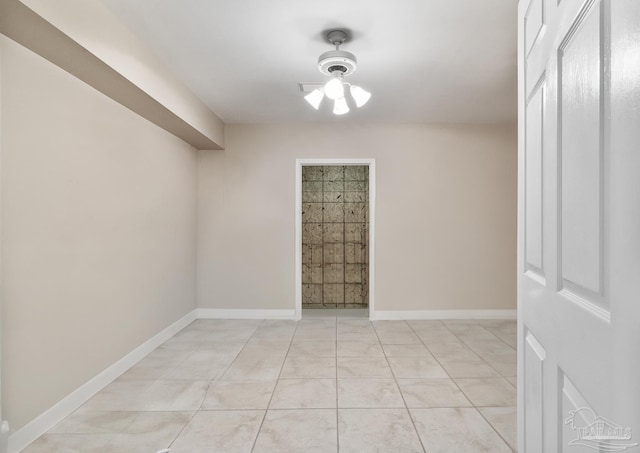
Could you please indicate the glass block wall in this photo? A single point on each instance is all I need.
(335, 262)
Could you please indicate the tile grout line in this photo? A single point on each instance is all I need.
(474, 404)
(499, 338)
(489, 363)
(479, 356)
(236, 357)
(452, 379)
(395, 379)
(473, 352)
(493, 427)
(288, 408)
(255, 441)
(496, 337)
(212, 380)
(439, 362)
(441, 366)
(500, 374)
(184, 427)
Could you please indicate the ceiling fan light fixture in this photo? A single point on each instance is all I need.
(315, 97)
(337, 64)
(334, 88)
(340, 106)
(360, 95)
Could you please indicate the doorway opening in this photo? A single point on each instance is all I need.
(335, 206)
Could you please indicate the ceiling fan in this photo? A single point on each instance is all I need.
(337, 64)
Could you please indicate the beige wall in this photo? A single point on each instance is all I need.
(87, 40)
(446, 213)
(99, 223)
(98, 232)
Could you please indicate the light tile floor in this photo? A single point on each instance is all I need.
(326, 383)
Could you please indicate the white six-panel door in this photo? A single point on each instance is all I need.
(579, 225)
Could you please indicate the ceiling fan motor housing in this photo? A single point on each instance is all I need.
(337, 60)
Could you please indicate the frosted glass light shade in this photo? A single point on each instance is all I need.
(315, 98)
(359, 95)
(340, 106)
(334, 89)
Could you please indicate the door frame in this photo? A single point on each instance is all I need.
(4, 425)
(371, 164)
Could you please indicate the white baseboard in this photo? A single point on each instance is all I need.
(231, 313)
(380, 315)
(52, 416)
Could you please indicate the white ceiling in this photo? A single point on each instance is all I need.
(423, 60)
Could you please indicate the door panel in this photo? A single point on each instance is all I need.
(579, 413)
(534, 23)
(533, 182)
(578, 222)
(534, 356)
(580, 121)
